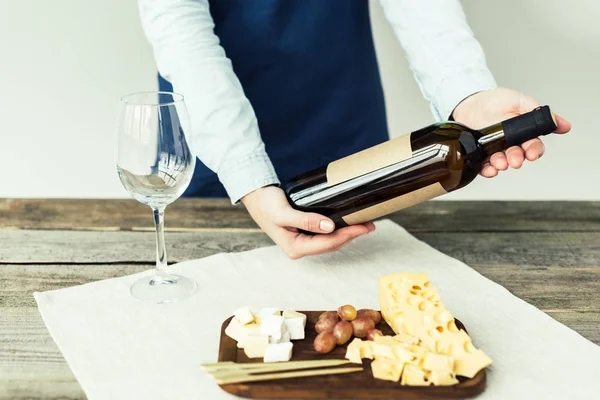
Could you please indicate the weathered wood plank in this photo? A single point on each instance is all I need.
(434, 216)
(31, 365)
(545, 288)
(558, 249)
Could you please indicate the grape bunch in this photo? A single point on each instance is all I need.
(337, 328)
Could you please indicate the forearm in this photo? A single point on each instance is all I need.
(224, 130)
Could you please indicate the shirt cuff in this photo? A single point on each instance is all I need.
(457, 87)
(248, 174)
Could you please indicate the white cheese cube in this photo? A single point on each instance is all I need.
(244, 315)
(289, 314)
(272, 325)
(234, 329)
(278, 352)
(285, 337)
(264, 312)
(255, 346)
(295, 323)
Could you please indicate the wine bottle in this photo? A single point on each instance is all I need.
(410, 169)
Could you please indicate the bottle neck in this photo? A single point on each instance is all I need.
(492, 139)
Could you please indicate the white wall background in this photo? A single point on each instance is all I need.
(64, 64)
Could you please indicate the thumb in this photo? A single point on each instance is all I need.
(310, 222)
(528, 103)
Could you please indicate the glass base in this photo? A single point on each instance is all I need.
(166, 289)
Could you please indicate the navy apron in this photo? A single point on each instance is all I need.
(310, 72)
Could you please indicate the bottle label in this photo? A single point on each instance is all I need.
(398, 203)
(369, 160)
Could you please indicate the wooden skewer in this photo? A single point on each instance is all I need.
(229, 366)
(276, 367)
(246, 377)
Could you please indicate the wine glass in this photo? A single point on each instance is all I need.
(155, 166)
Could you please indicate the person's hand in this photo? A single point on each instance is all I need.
(492, 106)
(269, 207)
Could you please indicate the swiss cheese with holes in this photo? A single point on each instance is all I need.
(412, 307)
(428, 348)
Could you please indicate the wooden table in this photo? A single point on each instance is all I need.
(547, 253)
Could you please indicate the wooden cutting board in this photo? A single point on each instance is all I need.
(359, 385)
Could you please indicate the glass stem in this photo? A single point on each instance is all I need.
(162, 270)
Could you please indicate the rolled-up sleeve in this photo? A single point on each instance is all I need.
(448, 62)
(224, 130)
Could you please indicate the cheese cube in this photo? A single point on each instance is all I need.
(442, 378)
(247, 330)
(285, 337)
(405, 355)
(414, 376)
(244, 315)
(353, 351)
(295, 323)
(366, 349)
(255, 313)
(471, 363)
(438, 362)
(234, 329)
(278, 352)
(264, 312)
(272, 325)
(382, 351)
(389, 370)
(255, 346)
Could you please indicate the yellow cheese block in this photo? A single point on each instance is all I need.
(438, 362)
(245, 332)
(411, 306)
(442, 378)
(414, 376)
(255, 346)
(366, 349)
(471, 363)
(386, 369)
(353, 351)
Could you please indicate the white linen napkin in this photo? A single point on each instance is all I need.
(121, 348)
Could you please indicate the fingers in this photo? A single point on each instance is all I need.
(515, 156)
(310, 222)
(534, 149)
(499, 161)
(304, 245)
(488, 170)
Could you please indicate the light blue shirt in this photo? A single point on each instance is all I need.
(447, 61)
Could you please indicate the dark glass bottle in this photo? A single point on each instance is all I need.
(407, 170)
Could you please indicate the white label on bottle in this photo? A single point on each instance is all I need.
(398, 203)
(369, 160)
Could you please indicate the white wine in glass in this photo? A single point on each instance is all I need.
(155, 166)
